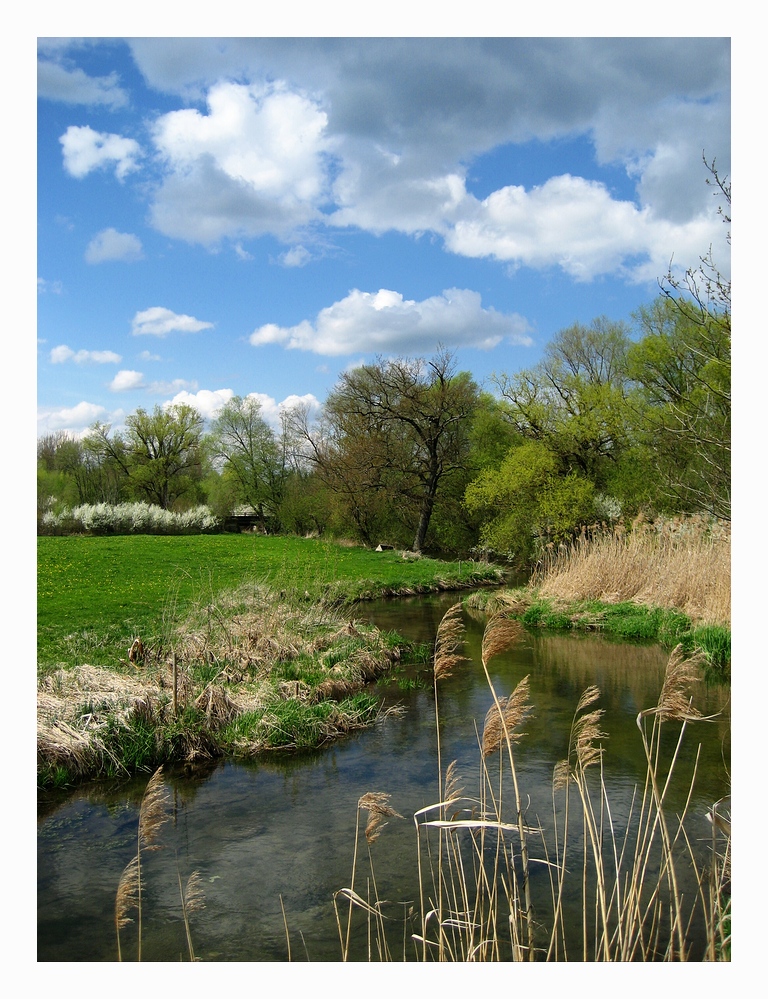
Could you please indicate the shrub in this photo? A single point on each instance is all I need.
(127, 518)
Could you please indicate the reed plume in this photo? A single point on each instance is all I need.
(375, 803)
(499, 635)
(127, 898)
(506, 716)
(192, 900)
(675, 701)
(152, 817)
(448, 641)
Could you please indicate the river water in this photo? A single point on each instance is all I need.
(273, 840)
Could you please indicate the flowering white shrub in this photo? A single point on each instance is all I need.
(607, 507)
(127, 518)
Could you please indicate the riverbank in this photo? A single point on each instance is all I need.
(159, 650)
(126, 683)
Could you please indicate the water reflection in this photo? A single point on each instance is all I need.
(283, 828)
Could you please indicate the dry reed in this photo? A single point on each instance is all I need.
(688, 570)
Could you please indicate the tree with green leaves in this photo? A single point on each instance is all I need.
(529, 502)
(160, 453)
(683, 363)
(574, 400)
(251, 453)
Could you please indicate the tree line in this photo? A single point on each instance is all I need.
(615, 419)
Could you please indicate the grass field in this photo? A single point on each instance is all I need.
(96, 594)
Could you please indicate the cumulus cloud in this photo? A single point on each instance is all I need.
(384, 321)
(576, 225)
(159, 321)
(76, 418)
(85, 150)
(207, 401)
(253, 164)
(64, 353)
(109, 244)
(59, 82)
(394, 126)
(125, 380)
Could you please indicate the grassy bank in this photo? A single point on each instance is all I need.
(669, 583)
(152, 650)
(97, 594)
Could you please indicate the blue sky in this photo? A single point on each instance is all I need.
(256, 215)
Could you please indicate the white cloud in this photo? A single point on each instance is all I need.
(394, 126)
(109, 244)
(147, 355)
(271, 410)
(207, 402)
(64, 353)
(176, 385)
(159, 321)
(58, 82)
(576, 225)
(386, 322)
(297, 256)
(254, 164)
(56, 287)
(85, 150)
(75, 419)
(126, 380)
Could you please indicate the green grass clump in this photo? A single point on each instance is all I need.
(296, 724)
(716, 644)
(541, 614)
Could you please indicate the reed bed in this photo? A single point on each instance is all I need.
(478, 854)
(685, 565)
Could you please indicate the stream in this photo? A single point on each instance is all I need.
(273, 840)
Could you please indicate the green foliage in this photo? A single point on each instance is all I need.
(135, 745)
(715, 641)
(528, 502)
(243, 440)
(683, 367)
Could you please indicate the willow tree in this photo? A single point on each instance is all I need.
(159, 453)
(243, 440)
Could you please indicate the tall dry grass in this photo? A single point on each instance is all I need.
(685, 565)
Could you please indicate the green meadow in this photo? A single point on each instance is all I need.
(96, 594)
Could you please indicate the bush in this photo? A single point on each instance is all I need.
(127, 518)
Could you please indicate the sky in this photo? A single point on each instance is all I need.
(235, 216)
